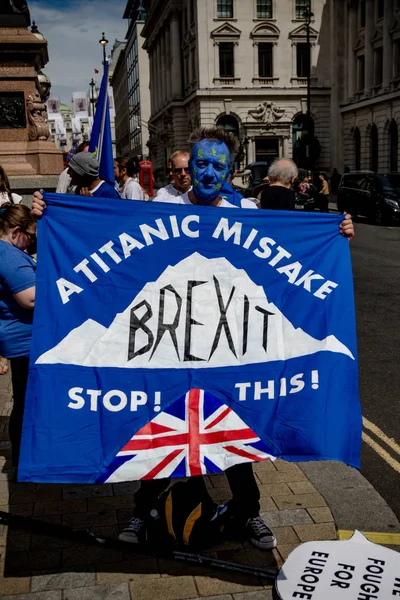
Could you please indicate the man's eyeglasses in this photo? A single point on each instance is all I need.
(31, 236)
(178, 170)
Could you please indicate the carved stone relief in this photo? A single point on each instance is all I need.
(267, 112)
(37, 115)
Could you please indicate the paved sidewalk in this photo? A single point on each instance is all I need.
(35, 567)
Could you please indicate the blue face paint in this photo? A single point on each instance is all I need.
(209, 167)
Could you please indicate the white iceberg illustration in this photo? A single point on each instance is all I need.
(200, 313)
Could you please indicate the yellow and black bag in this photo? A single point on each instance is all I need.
(188, 516)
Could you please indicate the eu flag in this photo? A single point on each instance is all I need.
(100, 139)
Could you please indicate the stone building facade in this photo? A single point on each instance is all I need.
(370, 104)
(136, 66)
(119, 84)
(241, 64)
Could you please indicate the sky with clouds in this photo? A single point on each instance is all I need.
(73, 29)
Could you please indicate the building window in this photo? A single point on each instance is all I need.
(360, 73)
(374, 154)
(265, 60)
(363, 13)
(301, 6)
(303, 58)
(264, 9)
(226, 59)
(396, 59)
(224, 9)
(357, 149)
(394, 146)
(378, 66)
(381, 8)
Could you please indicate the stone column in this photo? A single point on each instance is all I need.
(176, 60)
(369, 54)
(351, 58)
(155, 78)
(168, 59)
(251, 151)
(152, 80)
(387, 44)
(163, 68)
(285, 146)
(159, 79)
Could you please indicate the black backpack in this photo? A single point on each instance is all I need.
(184, 516)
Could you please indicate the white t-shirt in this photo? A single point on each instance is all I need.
(168, 194)
(131, 190)
(64, 183)
(184, 199)
(5, 197)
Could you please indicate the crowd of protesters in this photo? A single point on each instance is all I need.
(198, 175)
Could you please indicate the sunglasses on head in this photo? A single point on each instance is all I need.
(178, 171)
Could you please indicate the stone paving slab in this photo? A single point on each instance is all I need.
(36, 567)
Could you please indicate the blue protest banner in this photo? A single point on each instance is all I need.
(174, 340)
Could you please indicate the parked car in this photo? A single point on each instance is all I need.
(372, 195)
(303, 202)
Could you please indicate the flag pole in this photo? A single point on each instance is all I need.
(105, 108)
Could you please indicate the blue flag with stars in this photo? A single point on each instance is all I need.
(100, 139)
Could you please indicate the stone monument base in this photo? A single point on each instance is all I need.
(26, 185)
(31, 158)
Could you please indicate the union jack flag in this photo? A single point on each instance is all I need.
(196, 435)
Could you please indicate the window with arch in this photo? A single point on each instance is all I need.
(224, 9)
(394, 146)
(231, 125)
(374, 150)
(265, 36)
(357, 149)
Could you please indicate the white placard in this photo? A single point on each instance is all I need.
(352, 570)
(80, 104)
(53, 108)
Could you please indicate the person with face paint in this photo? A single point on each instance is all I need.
(210, 166)
(178, 172)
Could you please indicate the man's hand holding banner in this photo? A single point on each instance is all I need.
(172, 341)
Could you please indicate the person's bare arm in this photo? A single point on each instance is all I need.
(26, 298)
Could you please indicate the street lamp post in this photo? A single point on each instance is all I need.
(308, 15)
(92, 98)
(104, 43)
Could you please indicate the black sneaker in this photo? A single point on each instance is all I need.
(135, 533)
(259, 534)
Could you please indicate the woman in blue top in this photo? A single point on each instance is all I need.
(17, 299)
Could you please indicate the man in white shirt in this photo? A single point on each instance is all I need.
(180, 183)
(64, 185)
